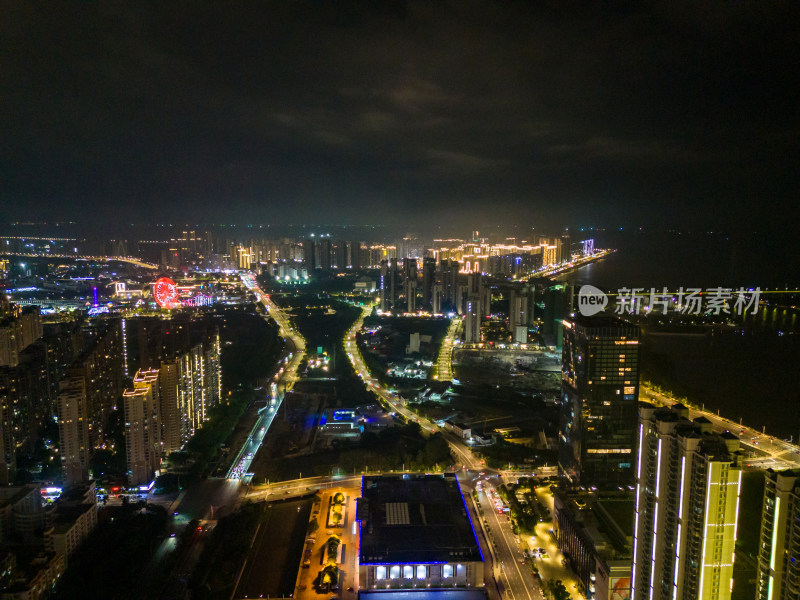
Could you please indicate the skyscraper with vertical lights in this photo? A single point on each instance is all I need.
(779, 547)
(688, 482)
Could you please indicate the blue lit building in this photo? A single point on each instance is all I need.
(415, 532)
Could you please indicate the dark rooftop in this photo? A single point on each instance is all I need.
(414, 519)
(603, 321)
(621, 511)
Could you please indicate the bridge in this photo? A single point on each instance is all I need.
(126, 259)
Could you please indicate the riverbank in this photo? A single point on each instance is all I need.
(567, 268)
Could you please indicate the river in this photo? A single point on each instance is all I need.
(753, 375)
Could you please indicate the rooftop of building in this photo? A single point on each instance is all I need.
(67, 516)
(607, 521)
(621, 512)
(783, 473)
(716, 446)
(602, 321)
(13, 494)
(459, 424)
(77, 493)
(785, 480)
(419, 519)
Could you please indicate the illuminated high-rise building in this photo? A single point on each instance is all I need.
(779, 548)
(447, 276)
(688, 483)
(428, 278)
(19, 328)
(410, 283)
(190, 384)
(472, 320)
(437, 296)
(411, 295)
(340, 255)
(73, 429)
(101, 366)
(389, 284)
(518, 317)
(244, 257)
(172, 432)
(309, 254)
(142, 435)
(474, 308)
(599, 400)
(549, 255)
(324, 252)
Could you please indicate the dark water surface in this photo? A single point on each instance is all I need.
(754, 376)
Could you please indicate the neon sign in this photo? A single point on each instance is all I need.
(199, 300)
(165, 292)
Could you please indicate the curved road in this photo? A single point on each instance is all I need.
(516, 579)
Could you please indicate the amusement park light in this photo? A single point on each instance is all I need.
(165, 292)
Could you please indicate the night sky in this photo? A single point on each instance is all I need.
(459, 113)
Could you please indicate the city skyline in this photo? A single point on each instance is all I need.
(400, 299)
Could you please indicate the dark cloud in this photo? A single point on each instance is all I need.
(466, 112)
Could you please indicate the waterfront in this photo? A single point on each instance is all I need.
(749, 374)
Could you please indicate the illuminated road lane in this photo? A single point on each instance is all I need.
(248, 451)
(517, 577)
(283, 380)
(444, 363)
(389, 399)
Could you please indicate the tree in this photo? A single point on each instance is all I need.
(313, 526)
(333, 547)
(558, 589)
(330, 574)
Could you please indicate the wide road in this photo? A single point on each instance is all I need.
(284, 380)
(516, 579)
(444, 363)
(301, 487)
(388, 398)
(240, 467)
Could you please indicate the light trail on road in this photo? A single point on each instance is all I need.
(286, 376)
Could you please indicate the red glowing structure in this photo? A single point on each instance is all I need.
(166, 293)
